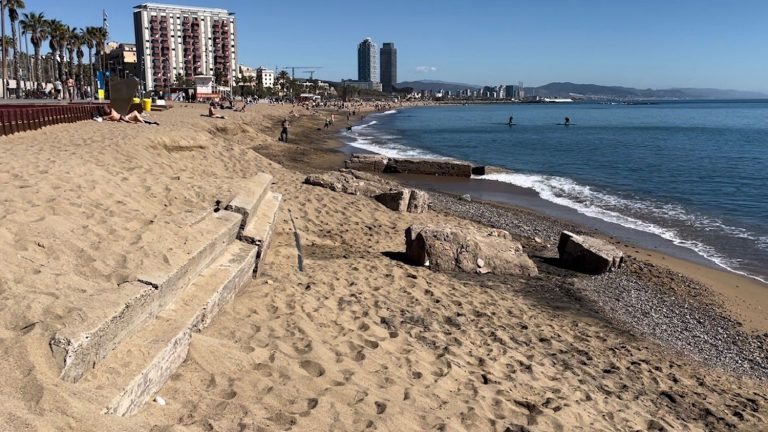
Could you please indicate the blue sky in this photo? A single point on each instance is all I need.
(648, 43)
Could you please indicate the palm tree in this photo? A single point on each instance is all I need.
(89, 38)
(58, 33)
(283, 80)
(72, 42)
(100, 41)
(13, 14)
(7, 41)
(80, 54)
(35, 25)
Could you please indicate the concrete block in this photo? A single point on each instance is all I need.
(429, 167)
(367, 162)
(588, 254)
(140, 366)
(396, 201)
(259, 229)
(79, 348)
(250, 195)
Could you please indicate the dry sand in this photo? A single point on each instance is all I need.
(358, 341)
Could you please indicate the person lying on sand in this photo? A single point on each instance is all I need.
(109, 114)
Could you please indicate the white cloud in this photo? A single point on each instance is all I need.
(425, 69)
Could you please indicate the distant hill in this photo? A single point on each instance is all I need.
(614, 92)
(434, 85)
(594, 91)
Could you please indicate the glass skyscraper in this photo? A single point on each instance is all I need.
(367, 61)
(388, 67)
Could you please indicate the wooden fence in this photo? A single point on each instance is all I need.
(20, 118)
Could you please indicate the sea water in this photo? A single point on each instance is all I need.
(694, 173)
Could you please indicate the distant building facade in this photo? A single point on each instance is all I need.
(121, 60)
(510, 92)
(265, 76)
(366, 85)
(388, 67)
(185, 40)
(367, 61)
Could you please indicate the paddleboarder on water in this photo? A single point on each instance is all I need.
(511, 118)
(567, 121)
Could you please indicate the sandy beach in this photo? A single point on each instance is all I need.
(358, 340)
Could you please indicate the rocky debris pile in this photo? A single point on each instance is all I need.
(451, 249)
(587, 254)
(642, 298)
(439, 167)
(389, 194)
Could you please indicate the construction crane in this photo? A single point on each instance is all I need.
(311, 74)
(293, 69)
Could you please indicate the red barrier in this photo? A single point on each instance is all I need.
(25, 117)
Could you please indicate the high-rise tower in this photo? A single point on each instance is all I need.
(184, 40)
(367, 61)
(388, 67)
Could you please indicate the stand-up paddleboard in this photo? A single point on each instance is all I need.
(565, 124)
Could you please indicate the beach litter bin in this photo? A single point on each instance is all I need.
(146, 105)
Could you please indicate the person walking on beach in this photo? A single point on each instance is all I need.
(284, 131)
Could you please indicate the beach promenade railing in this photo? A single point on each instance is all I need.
(16, 118)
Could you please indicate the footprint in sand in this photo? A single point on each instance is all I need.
(312, 368)
(282, 419)
(380, 407)
(229, 395)
(312, 403)
(263, 369)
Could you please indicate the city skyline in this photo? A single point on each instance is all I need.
(655, 44)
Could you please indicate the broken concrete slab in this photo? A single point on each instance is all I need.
(429, 167)
(345, 182)
(440, 167)
(367, 162)
(249, 196)
(453, 249)
(418, 201)
(139, 367)
(588, 254)
(80, 346)
(259, 229)
(396, 200)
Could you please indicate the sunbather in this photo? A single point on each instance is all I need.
(109, 114)
(212, 111)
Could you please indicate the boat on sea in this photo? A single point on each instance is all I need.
(557, 100)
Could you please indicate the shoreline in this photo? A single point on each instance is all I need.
(743, 297)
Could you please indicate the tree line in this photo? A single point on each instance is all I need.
(65, 43)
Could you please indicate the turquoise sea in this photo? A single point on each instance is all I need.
(694, 173)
